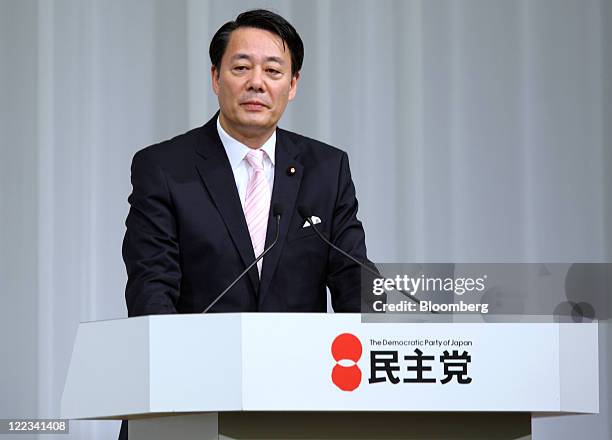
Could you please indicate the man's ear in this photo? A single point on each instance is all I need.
(293, 87)
(214, 76)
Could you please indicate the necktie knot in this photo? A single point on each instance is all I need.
(255, 159)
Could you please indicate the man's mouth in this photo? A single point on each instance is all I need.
(253, 105)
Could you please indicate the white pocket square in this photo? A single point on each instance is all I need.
(315, 220)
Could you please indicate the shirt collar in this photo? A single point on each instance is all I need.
(236, 150)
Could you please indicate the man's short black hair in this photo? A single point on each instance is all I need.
(260, 19)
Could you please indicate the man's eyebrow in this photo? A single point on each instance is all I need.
(241, 56)
(244, 56)
(278, 60)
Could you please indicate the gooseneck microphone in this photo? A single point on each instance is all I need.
(277, 212)
(306, 214)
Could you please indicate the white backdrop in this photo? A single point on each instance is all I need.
(478, 130)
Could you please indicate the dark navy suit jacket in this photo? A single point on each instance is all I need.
(187, 237)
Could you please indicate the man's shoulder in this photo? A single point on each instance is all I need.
(311, 147)
(171, 150)
(181, 148)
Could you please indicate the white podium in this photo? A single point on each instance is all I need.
(324, 376)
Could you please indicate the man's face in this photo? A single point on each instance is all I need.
(254, 82)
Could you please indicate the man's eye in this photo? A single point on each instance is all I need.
(240, 68)
(273, 71)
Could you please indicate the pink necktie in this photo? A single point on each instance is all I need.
(257, 203)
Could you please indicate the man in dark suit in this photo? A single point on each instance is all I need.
(201, 202)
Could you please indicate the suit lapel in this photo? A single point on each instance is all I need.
(216, 173)
(286, 187)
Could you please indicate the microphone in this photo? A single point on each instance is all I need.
(277, 212)
(306, 214)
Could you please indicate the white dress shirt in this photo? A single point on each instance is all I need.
(237, 151)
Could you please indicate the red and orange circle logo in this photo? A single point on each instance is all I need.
(346, 350)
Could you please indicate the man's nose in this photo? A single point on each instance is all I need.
(256, 80)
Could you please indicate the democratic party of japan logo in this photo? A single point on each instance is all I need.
(346, 350)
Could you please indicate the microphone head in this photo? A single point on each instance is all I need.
(277, 210)
(304, 211)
